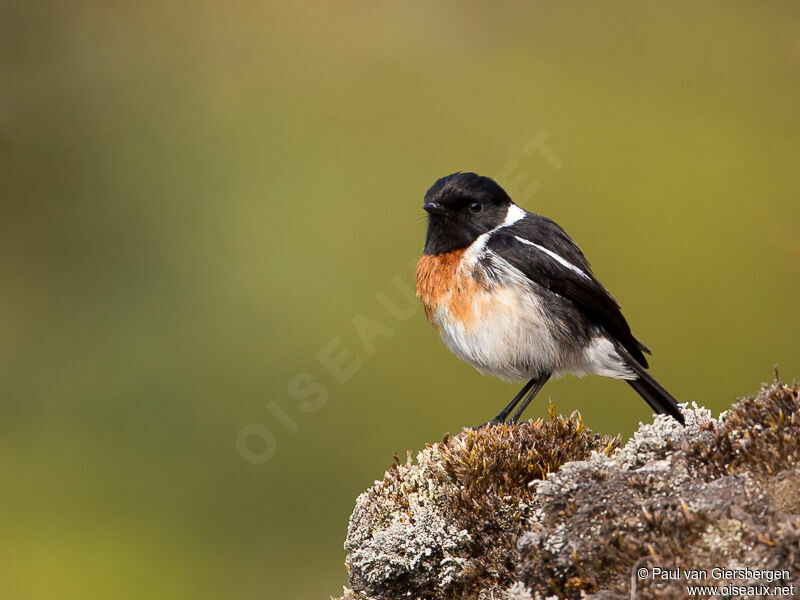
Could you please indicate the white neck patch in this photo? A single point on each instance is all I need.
(514, 214)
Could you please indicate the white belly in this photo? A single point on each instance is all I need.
(503, 330)
(504, 337)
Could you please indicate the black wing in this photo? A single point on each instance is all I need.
(541, 250)
(541, 230)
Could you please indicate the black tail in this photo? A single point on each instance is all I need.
(659, 399)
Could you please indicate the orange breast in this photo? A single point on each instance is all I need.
(443, 283)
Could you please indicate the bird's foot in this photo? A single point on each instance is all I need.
(491, 423)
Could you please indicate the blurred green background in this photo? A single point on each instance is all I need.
(199, 197)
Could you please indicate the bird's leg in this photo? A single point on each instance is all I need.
(539, 384)
(501, 416)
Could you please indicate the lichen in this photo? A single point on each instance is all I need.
(448, 523)
(547, 509)
(759, 433)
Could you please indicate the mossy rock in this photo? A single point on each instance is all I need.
(548, 508)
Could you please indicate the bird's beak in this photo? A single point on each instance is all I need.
(434, 209)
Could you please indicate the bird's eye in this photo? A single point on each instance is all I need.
(476, 207)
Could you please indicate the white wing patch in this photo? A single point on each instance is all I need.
(554, 256)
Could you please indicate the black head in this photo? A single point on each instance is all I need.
(461, 207)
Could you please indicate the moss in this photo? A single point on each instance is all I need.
(758, 434)
(549, 508)
(503, 459)
(490, 470)
(716, 493)
(447, 525)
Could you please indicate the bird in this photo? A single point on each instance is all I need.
(510, 293)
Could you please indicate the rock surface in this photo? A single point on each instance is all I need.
(549, 509)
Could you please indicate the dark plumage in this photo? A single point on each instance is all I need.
(512, 294)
